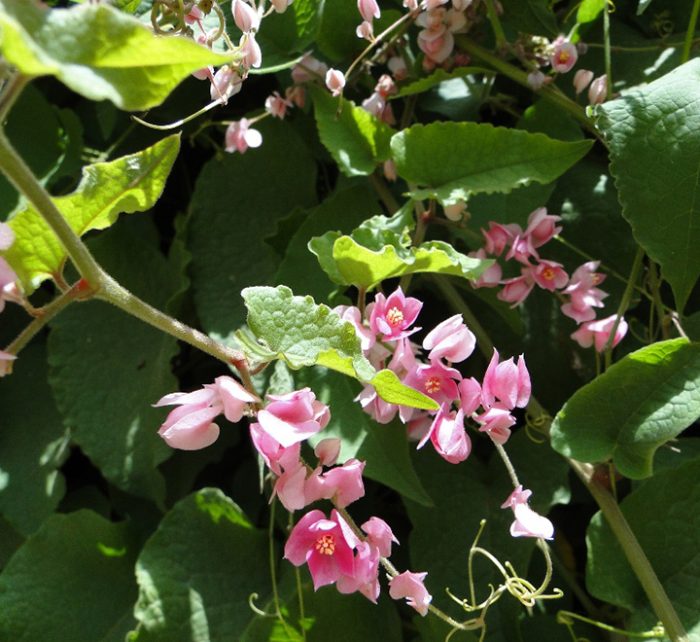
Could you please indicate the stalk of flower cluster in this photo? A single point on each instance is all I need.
(96, 281)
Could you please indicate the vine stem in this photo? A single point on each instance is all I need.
(688, 43)
(607, 52)
(97, 282)
(633, 551)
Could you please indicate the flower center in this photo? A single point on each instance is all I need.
(394, 316)
(595, 278)
(433, 384)
(548, 273)
(325, 545)
(563, 57)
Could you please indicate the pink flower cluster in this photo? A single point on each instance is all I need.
(385, 335)
(436, 38)
(580, 294)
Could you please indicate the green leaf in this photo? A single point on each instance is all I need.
(529, 17)
(99, 52)
(233, 209)
(456, 160)
(655, 158)
(129, 184)
(357, 140)
(664, 515)
(363, 267)
(33, 444)
(107, 368)
(391, 390)
(384, 447)
(197, 571)
(644, 400)
(73, 580)
(295, 328)
(439, 75)
(292, 31)
(589, 10)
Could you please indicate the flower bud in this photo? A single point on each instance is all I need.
(245, 17)
(598, 90)
(335, 81)
(582, 79)
(368, 9)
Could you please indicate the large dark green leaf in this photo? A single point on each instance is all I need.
(640, 403)
(73, 580)
(654, 146)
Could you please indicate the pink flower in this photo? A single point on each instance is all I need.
(240, 136)
(365, 577)
(436, 46)
(342, 484)
(550, 275)
(328, 451)
(368, 9)
(308, 68)
(393, 316)
(353, 315)
(381, 411)
(448, 436)
(293, 417)
(365, 30)
(292, 489)
(506, 385)
(379, 535)
(335, 81)
(527, 522)
(584, 295)
(280, 6)
(385, 86)
(190, 426)
(276, 457)
(564, 55)
(598, 91)
(246, 18)
(195, 15)
(326, 545)
(598, 332)
(455, 212)
(277, 106)
(582, 79)
(498, 236)
(7, 236)
(496, 422)
(6, 360)
(491, 276)
(251, 54)
(410, 585)
(435, 380)
(234, 397)
(516, 290)
(469, 395)
(450, 340)
(226, 83)
(541, 227)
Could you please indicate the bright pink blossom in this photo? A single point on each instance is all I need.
(450, 340)
(342, 484)
(381, 411)
(435, 380)
(541, 227)
(583, 293)
(491, 276)
(379, 535)
(190, 426)
(410, 585)
(498, 237)
(448, 436)
(240, 136)
(326, 545)
(292, 489)
(550, 275)
(506, 385)
(335, 81)
(564, 55)
(597, 333)
(276, 457)
(496, 422)
(365, 577)
(293, 417)
(527, 522)
(516, 290)
(393, 316)
(469, 395)
(234, 397)
(368, 9)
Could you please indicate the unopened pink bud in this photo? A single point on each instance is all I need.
(327, 451)
(455, 212)
(245, 17)
(368, 9)
(335, 81)
(365, 30)
(397, 66)
(389, 169)
(280, 6)
(598, 90)
(582, 79)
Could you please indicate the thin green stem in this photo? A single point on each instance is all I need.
(608, 56)
(501, 40)
(657, 47)
(634, 553)
(567, 617)
(10, 92)
(624, 303)
(44, 315)
(422, 218)
(692, 23)
(520, 76)
(16, 170)
(383, 192)
(508, 464)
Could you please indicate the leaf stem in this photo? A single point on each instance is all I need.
(624, 303)
(688, 43)
(501, 40)
(10, 92)
(608, 56)
(633, 551)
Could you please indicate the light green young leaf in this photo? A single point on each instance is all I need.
(363, 267)
(664, 515)
(295, 328)
(129, 184)
(455, 160)
(73, 580)
(197, 571)
(391, 390)
(357, 140)
(99, 52)
(589, 10)
(644, 400)
(654, 142)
